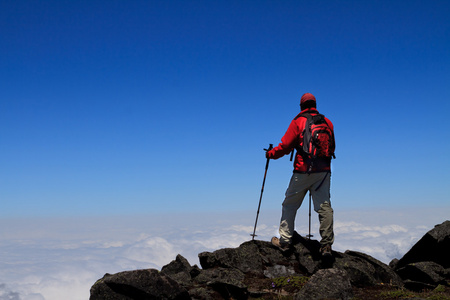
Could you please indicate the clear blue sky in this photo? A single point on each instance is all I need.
(125, 107)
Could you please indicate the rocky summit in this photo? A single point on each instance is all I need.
(259, 270)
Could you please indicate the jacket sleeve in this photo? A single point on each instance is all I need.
(332, 128)
(288, 142)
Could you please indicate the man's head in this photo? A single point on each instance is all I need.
(307, 101)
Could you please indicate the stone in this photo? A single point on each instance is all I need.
(364, 270)
(244, 258)
(433, 246)
(327, 284)
(428, 274)
(179, 270)
(227, 282)
(247, 271)
(137, 285)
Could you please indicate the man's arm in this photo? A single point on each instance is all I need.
(288, 142)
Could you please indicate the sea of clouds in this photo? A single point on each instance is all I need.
(61, 258)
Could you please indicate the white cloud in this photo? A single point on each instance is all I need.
(68, 256)
(7, 294)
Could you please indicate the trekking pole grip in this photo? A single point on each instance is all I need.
(270, 148)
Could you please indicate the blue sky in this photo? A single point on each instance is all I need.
(131, 107)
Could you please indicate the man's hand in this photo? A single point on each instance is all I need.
(269, 152)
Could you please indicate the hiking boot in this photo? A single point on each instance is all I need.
(276, 242)
(325, 250)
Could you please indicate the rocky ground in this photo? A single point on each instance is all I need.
(259, 270)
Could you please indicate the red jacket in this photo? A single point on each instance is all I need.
(294, 138)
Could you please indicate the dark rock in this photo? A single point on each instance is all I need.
(307, 254)
(278, 271)
(137, 285)
(327, 284)
(393, 264)
(364, 270)
(203, 293)
(179, 270)
(382, 273)
(417, 286)
(428, 273)
(262, 258)
(245, 258)
(433, 246)
(248, 270)
(227, 282)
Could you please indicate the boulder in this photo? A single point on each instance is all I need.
(179, 270)
(243, 258)
(250, 270)
(327, 284)
(137, 285)
(261, 258)
(364, 270)
(433, 246)
(226, 282)
(421, 275)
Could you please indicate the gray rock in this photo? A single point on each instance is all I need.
(393, 264)
(417, 286)
(179, 270)
(262, 258)
(423, 275)
(327, 284)
(433, 246)
(203, 293)
(307, 254)
(244, 258)
(227, 272)
(364, 270)
(382, 272)
(137, 285)
(278, 271)
(226, 282)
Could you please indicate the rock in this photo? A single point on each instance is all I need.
(327, 284)
(417, 286)
(433, 246)
(262, 258)
(382, 273)
(137, 285)
(307, 254)
(423, 275)
(203, 293)
(278, 271)
(226, 282)
(364, 270)
(248, 271)
(179, 270)
(393, 264)
(244, 258)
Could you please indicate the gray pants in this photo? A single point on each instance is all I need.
(299, 185)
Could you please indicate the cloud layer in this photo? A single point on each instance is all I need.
(52, 259)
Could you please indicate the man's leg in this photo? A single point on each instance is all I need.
(322, 205)
(295, 193)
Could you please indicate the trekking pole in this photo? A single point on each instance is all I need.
(309, 236)
(262, 190)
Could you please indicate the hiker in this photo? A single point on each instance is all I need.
(311, 173)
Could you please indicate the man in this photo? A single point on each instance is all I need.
(310, 174)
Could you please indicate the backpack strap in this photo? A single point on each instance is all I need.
(307, 133)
